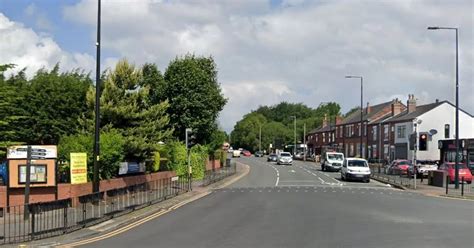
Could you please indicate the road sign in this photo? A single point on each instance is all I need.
(37, 152)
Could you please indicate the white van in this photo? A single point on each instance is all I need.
(331, 161)
(355, 168)
(236, 154)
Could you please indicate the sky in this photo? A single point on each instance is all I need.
(266, 51)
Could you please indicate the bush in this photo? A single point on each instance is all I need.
(177, 158)
(156, 162)
(111, 152)
(198, 157)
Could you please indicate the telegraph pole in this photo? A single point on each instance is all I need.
(95, 184)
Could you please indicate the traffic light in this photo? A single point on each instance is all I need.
(190, 138)
(423, 142)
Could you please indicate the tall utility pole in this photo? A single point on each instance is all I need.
(294, 147)
(361, 111)
(456, 163)
(95, 184)
(260, 138)
(304, 141)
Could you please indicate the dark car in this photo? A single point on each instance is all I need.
(259, 154)
(272, 157)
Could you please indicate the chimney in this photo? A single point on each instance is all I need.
(368, 109)
(411, 103)
(437, 100)
(396, 107)
(338, 120)
(325, 120)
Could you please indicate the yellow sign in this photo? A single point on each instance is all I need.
(78, 168)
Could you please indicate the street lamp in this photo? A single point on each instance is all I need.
(294, 147)
(456, 164)
(95, 184)
(361, 109)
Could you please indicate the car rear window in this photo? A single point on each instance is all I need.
(357, 163)
(285, 155)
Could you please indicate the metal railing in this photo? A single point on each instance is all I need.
(396, 177)
(465, 189)
(48, 219)
(212, 176)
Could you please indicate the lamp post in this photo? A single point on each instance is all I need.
(260, 138)
(361, 109)
(456, 163)
(294, 127)
(95, 184)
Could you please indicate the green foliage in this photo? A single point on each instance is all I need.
(277, 123)
(156, 162)
(198, 159)
(128, 106)
(111, 150)
(217, 139)
(177, 158)
(194, 96)
(54, 106)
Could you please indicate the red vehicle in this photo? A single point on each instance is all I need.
(464, 172)
(399, 167)
(247, 153)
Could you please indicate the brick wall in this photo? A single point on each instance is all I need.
(213, 164)
(65, 191)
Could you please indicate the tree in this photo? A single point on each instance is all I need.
(246, 131)
(194, 95)
(11, 96)
(54, 105)
(129, 105)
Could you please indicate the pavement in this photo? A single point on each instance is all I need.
(301, 206)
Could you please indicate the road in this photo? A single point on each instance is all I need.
(301, 206)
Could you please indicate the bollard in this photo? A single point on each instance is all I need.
(447, 184)
(462, 186)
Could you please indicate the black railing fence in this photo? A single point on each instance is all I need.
(212, 176)
(48, 219)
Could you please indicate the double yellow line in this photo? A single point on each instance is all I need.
(132, 225)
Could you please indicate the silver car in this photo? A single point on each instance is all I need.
(285, 158)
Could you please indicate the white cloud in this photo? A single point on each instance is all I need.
(26, 48)
(304, 47)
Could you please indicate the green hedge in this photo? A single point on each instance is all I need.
(111, 152)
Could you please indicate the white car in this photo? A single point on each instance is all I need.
(355, 169)
(285, 158)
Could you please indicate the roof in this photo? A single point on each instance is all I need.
(329, 127)
(374, 110)
(421, 109)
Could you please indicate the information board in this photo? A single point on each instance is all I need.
(78, 168)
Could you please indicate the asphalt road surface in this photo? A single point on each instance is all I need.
(301, 206)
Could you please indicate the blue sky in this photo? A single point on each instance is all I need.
(266, 51)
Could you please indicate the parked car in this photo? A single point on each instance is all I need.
(246, 153)
(464, 172)
(332, 161)
(399, 167)
(355, 169)
(259, 154)
(272, 158)
(423, 167)
(236, 154)
(299, 156)
(285, 158)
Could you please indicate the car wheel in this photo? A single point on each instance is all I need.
(342, 177)
(367, 181)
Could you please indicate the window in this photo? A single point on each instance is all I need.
(340, 132)
(401, 132)
(360, 129)
(352, 150)
(385, 151)
(374, 132)
(365, 130)
(324, 137)
(374, 151)
(446, 131)
(385, 132)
